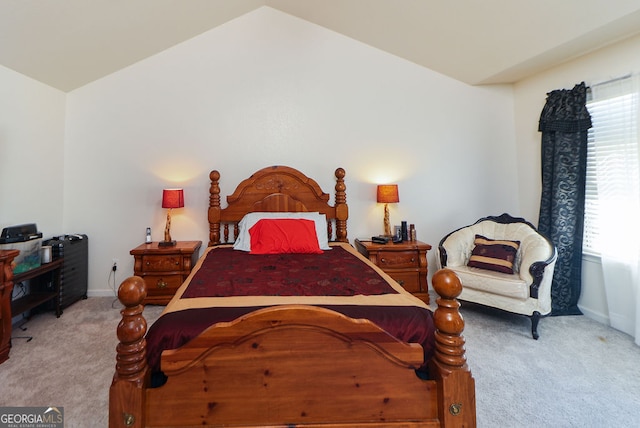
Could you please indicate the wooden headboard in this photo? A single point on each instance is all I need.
(276, 189)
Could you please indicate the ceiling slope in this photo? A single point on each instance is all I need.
(69, 43)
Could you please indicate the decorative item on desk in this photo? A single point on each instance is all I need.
(148, 239)
(412, 232)
(171, 198)
(405, 231)
(397, 232)
(387, 194)
(47, 251)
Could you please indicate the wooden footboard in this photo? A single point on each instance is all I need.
(294, 366)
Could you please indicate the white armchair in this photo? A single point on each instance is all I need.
(526, 291)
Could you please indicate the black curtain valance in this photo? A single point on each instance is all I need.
(566, 111)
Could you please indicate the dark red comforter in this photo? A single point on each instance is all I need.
(227, 272)
(335, 273)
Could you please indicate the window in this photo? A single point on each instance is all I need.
(612, 207)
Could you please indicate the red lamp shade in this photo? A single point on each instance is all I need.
(172, 198)
(388, 193)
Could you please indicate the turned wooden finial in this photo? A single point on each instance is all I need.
(342, 210)
(132, 292)
(214, 208)
(449, 322)
(131, 361)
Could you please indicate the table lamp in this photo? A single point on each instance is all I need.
(171, 198)
(387, 194)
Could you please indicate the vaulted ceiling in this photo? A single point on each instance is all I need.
(69, 43)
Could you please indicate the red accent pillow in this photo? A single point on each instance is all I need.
(284, 235)
(494, 254)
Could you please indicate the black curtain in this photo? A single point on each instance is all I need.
(564, 122)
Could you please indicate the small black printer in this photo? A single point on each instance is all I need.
(19, 233)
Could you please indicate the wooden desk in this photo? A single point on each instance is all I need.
(39, 294)
(6, 286)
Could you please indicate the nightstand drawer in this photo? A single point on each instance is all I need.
(162, 283)
(410, 281)
(162, 263)
(397, 259)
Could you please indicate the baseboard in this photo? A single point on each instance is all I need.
(595, 315)
(101, 293)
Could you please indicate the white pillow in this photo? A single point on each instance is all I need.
(243, 240)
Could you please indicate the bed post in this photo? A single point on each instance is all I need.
(456, 386)
(214, 208)
(127, 394)
(342, 210)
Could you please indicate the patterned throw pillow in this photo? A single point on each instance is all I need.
(492, 254)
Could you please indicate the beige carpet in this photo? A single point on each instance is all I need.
(578, 374)
(69, 362)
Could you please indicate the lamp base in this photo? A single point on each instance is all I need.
(387, 225)
(166, 243)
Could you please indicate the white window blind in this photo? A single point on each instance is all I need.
(613, 179)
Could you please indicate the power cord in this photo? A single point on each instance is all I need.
(111, 281)
(21, 291)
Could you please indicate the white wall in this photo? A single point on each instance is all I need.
(530, 97)
(31, 153)
(269, 88)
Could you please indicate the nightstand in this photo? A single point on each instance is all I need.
(164, 269)
(406, 262)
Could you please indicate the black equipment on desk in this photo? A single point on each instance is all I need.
(74, 276)
(382, 239)
(19, 233)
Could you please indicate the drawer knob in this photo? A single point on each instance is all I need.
(401, 282)
(162, 284)
(383, 260)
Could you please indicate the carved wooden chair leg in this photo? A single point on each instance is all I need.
(535, 318)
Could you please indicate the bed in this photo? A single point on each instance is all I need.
(290, 360)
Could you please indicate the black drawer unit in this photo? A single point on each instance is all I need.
(74, 276)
